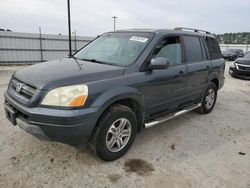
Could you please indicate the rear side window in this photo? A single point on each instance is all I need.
(192, 48)
(213, 48)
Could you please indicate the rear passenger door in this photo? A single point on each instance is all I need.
(198, 66)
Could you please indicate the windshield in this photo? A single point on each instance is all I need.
(247, 56)
(230, 50)
(119, 49)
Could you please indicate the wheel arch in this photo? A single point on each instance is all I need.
(216, 82)
(130, 97)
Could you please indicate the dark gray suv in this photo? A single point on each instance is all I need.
(115, 86)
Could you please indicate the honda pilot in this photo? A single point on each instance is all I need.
(115, 86)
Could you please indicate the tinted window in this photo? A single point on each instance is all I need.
(204, 51)
(213, 48)
(192, 48)
(170, 48)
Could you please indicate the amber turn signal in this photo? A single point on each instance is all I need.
(78, 101)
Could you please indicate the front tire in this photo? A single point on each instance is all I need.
(115, 133)
(208, 99)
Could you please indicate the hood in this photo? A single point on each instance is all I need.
(243, 61)
(66, 71)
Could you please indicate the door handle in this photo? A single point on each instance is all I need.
(181, 72)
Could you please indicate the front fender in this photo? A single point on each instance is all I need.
(118, 93)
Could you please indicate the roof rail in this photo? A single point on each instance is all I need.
(191, 29)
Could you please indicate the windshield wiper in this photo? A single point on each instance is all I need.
(97, 61)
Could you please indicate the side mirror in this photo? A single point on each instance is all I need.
(159, 63)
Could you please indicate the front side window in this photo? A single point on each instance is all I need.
(119, 49)
(169, 48)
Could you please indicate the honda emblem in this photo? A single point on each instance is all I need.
(19, 87)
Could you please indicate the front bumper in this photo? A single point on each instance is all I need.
(62, 125)
(243, 74)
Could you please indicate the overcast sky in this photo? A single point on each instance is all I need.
(93, 17)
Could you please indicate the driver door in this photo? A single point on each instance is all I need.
(166, 88)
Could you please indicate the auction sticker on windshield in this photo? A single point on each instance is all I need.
(139, 39)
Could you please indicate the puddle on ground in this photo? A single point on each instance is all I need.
(248, 102)
(139, 166)
(114, 177)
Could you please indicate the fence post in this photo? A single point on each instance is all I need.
(75, 42)
(41, 46)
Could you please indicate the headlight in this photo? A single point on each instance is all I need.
(67, 96)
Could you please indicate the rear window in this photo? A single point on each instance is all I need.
(213, 48)
(192, 48)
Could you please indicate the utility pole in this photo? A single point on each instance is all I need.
(114, 17)
(75, 41)
(40, 42)
(69, 26)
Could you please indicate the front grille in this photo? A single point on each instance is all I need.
(243, 67)
(22, 90)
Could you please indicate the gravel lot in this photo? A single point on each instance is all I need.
(190, 151)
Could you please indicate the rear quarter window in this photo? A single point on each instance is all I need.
(213, 48)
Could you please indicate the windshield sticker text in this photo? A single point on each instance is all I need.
(139, 39)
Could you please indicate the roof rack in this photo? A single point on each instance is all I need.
(191, 29)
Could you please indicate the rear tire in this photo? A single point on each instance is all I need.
(115, 133)
(208, 99)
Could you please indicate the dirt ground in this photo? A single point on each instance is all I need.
(190, 151)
